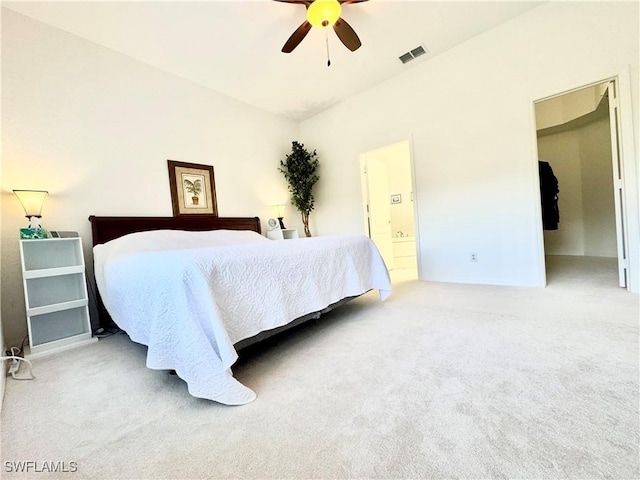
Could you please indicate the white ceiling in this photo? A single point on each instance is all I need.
(233, 47)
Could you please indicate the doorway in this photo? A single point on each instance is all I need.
(389, 209)
(578, 142)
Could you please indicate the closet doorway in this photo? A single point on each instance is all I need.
(388, 207)
(578, 138)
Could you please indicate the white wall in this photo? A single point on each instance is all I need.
(470, 114)
(95, 128)
(3, 366)
(597, 187)
(562, 151)
(565, 108)
(3, 371)
(581, 160)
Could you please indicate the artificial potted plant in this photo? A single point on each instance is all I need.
(299, 169)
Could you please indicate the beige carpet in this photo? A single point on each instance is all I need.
(440, 381)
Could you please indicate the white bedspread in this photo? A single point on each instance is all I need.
(189, 296)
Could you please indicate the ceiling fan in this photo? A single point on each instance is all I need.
(323, 14)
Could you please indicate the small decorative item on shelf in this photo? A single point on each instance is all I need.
(276, 230)
(272, 224)
(32, 202)
(32, 233)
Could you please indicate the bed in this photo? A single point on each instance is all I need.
(197, 289)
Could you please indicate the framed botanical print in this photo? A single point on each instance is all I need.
(193, 189)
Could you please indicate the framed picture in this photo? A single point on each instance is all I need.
(397, 198)
(193, 189)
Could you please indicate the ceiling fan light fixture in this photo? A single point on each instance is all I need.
(324, 13)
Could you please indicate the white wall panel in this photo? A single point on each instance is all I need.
(470, 114)
(95, 128)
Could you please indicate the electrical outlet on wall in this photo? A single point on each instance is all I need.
(474, 257)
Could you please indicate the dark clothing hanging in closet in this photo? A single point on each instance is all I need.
(549, 196)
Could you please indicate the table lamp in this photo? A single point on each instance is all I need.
(32, 201)
(280, 210)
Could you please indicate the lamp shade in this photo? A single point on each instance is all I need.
(32, 201)
(324, 13)
(280, 210)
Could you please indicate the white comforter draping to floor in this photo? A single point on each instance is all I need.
(189, 296)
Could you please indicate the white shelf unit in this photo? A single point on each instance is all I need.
(282, 234)
(55, 294)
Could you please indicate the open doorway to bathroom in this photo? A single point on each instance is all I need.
(388, 207)
(577, 136)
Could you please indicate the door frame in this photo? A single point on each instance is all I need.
(382, 209)
(630, 180)
(618, 183)
(364, 193)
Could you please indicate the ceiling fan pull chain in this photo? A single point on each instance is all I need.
(326, 31)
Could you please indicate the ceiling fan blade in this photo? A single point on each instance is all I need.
(296, 37)
(344, 2)
(347, 35)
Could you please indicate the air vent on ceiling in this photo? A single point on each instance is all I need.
(411, 54)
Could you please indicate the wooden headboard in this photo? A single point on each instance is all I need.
(104, 229)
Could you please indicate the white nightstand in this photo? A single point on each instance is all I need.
(282, 234)
(55, 292)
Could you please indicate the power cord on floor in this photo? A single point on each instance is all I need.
(106, 332)
(19, 351)
(15, 364)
